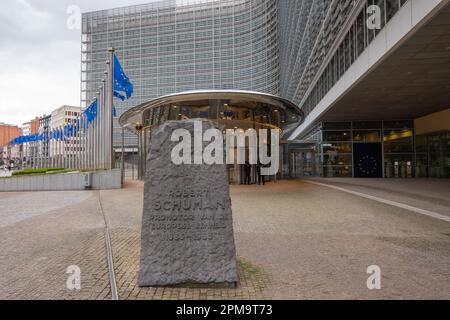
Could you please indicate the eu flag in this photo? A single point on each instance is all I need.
(119, 96)
(121, 82)
(91, 112)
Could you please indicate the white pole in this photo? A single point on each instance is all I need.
(85, 142)
(59, 150)
(100, 136)
(26, 155)
(79, 162)
(92, 156)
(103, 135)
(109, 106)
(63, 146)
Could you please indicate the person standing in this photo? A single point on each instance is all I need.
(261, 178)
(247, 173)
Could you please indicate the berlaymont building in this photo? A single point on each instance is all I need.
(369, 79)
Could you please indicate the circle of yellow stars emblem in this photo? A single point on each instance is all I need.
(367, 161)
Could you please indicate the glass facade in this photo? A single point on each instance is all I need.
(336, 141)
(433, 155)
(319, 42)
(229, 109)
(175, 46)
(294, 49)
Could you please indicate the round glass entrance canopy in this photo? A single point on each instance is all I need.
(232, 108)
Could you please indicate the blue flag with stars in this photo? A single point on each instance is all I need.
(91, 112)
(122, 83)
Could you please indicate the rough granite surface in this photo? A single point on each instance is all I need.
(187, 226)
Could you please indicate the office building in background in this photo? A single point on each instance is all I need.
(371, 76)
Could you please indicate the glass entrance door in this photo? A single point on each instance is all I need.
(368, 160)
(301, 163)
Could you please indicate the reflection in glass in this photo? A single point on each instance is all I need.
(367, 136)
(398, 141)
(329, 136)
(337, 147)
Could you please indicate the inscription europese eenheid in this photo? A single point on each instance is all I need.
(187, 225)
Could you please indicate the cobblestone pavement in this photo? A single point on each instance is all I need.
(294, 241)
(126, 244)
(37, 249)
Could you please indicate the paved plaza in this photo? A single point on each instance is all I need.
(294, 239)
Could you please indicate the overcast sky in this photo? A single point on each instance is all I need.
(40, 56)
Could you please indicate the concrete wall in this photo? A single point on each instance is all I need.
(436, 122)
(101, 180)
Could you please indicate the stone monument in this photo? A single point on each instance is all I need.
(187, 226)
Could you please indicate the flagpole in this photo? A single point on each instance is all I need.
(78, 148)
(59, 151)
(88, 144)
(100, 130)
(92, 156)
(45, 146)
(103, 138)
(36, 155)
(64, 151)
(101, 123)
(109, 106)
(105, 121)
(26, 155)
(50, 148)
(61, 147)
(122, 155)
(68, 150)
(32, 155)
(72, 143)
(85, 142)
(95, 157)
(80, 143)
(99, 135)
(93, 144)
(57, 147)
(40, 153)
(39, 148)
(53, 150)
(69, 142)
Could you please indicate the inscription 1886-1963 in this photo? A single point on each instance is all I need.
(187, 226)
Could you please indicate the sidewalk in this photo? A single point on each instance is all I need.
(427, 194)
